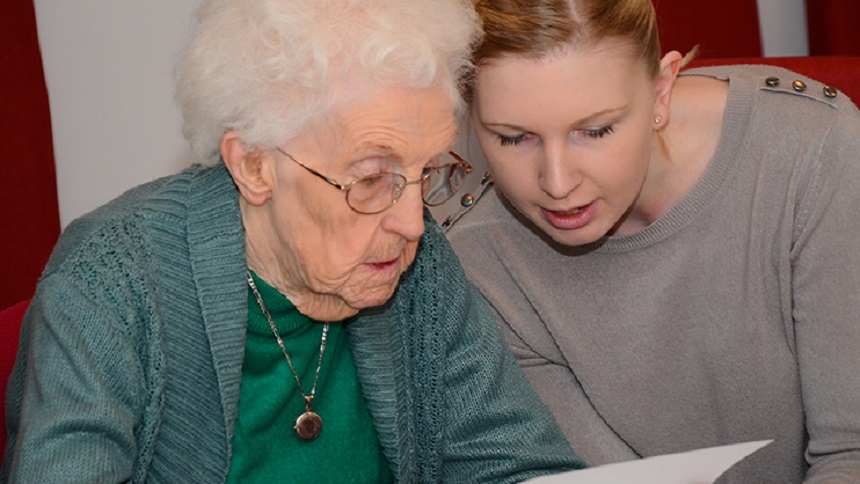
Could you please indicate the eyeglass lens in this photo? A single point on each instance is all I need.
(375, 193)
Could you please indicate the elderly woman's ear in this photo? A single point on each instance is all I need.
(248, 168)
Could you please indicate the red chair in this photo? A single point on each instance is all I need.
(10, 332)
(841, 72)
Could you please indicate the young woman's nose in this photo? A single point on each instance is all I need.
(558, 175)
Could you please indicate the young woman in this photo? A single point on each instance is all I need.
(672, 258)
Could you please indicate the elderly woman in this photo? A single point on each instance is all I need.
(283, 312)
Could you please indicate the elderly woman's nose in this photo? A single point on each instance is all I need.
(406, 217)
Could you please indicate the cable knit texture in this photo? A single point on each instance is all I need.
(130, 363)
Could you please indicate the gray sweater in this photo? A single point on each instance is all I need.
(733, 317)
(131, 356)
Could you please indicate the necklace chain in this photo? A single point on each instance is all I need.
(308, 397)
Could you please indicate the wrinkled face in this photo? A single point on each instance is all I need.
(568, 137)
(346, 259)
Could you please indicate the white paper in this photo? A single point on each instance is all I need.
(701, 466)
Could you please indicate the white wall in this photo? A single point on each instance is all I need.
(108, 66)
(783, 27)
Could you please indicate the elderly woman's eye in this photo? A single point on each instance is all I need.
(374, 165)
(373, 181)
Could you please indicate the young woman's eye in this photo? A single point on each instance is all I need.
(511, 140)
(599, 132)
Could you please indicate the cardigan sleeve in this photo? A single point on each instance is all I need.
(448, 400)
(86, 391)
(503, 432)
(496, 429)
(74, 395)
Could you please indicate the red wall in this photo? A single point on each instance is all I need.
(833, 28)
(29, 216)
(721, 29)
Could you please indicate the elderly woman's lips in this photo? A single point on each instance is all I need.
(572, 219)
(383, 265)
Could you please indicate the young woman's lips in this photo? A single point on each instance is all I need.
(570, 219)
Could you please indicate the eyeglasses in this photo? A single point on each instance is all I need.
(376, 193)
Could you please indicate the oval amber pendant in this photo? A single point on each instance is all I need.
(308, 425)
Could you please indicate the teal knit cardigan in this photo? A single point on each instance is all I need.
(131, 356)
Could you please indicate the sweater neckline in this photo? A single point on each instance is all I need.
(706, 190)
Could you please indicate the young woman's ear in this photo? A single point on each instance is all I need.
(670, 65)
(247, 169)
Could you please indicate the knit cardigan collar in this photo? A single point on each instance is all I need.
(216, 239)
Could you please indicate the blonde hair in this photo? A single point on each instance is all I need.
(538, 28)
(269, 68)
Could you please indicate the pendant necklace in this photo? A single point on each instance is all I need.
(309, 425)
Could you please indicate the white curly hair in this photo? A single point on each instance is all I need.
(269, 68)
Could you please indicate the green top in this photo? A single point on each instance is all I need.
(265, 446)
